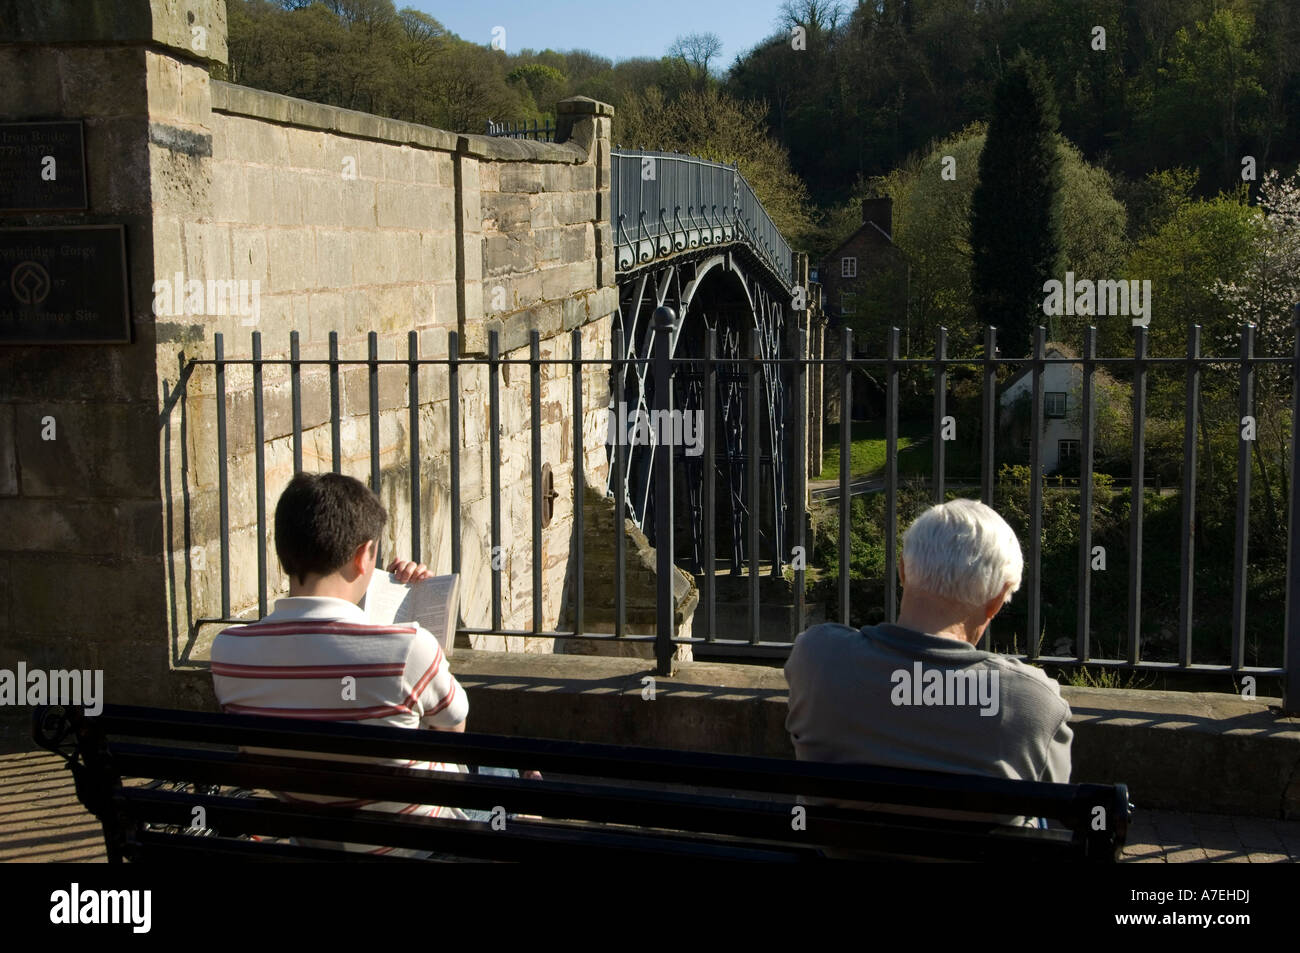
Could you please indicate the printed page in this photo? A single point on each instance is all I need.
(432, 602)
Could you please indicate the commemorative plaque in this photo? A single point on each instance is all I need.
(64, 285)
(42, 167)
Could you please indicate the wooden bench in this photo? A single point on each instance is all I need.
(593, 799)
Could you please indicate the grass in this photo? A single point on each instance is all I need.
(915, 457)
(868, 447)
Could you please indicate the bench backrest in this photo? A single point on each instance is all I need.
(594, 797)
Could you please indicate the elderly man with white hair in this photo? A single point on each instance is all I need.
(918, 693)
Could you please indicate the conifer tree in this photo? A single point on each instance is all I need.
(1016, 207)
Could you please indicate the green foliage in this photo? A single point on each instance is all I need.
(1194, 245)
(932, 228)
(713, 125)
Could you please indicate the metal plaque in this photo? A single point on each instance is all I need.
(64, 285)
(42, 167)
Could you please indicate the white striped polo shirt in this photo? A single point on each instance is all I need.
(295, 661)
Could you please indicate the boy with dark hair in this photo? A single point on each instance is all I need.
(317, 656)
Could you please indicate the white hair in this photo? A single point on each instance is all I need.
(962, 550)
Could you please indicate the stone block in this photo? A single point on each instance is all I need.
(8, 454)
(444, 304)
(229, 192)
(306, 149)
(506, 211)
(322, 200)
(102, 81)
(287, 189)
(506, 254)
(577, 243)
(560, 281)
(261, 194)
(32, 86)
(400, 205)
(398, 163)
(575, 207)
(334, 258)
(124, 528)
(558, 178)
(106, 448)
(522, 177)
(583, 178)
(291, 255)
(359, 207)
(325, 314)
(438, 252)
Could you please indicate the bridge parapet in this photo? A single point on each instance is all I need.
(663, 204)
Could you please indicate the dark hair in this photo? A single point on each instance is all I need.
(321, 519)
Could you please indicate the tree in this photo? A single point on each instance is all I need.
(1016, 208)
(932, 224)
(696, 50)
(715, 126)
(1268, 291)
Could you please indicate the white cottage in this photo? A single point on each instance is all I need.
(1062, 430)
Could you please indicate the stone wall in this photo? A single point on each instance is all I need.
(346, 222)
(352, 223)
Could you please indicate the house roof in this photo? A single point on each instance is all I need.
(856, 232)
(1057, 350)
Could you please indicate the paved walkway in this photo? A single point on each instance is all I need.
(41, 820)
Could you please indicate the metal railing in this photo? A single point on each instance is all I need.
(890, 365)
(522, 129)
(663, 204)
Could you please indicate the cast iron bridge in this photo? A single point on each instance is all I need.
(691, 236)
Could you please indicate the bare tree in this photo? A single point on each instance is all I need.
(696, 50)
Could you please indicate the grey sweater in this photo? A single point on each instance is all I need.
(894, 697)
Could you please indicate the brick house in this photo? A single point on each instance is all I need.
(864, 286)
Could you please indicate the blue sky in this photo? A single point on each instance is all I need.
(618, 29)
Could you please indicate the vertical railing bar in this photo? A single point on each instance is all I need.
(453, 441)
(1137, 497)
(891, 478)
(799, 512)
(710, 481)
(1291, 645)
(295, 397)
(1187, 530)
(494, 469)
(535, 465)
(1033, 608)
(752, 443)
(846, 464)
(372, 347)
(988, 425)
(1246, 402)
(336, 464)
(1083, 635)
(664, 324)
(620, 486)
(223, 472)
(579, 486)
(413, 402)
(259, 454)
(940, 409)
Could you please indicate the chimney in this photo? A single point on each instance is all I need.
(880, 211)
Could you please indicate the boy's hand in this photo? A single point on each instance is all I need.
(407, 571)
